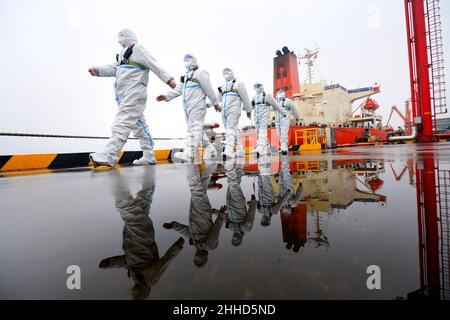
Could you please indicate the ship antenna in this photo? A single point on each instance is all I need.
(310, 56)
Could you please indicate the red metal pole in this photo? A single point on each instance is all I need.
(419, 68)
(412, 60)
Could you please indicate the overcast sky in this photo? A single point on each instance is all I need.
(49, 45)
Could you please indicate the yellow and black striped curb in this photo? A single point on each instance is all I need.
(68, 160)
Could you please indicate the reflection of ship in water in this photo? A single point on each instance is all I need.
(325, 188)
(337, 188)
(328, 191)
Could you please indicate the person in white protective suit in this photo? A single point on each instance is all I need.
(263, 103)
(202, 232)
(131, 71)
(284, 122)
(268, 205)
(240, 214)
(233, 94)
(141, 255)
(195, 87)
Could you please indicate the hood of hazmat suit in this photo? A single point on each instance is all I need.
(281, 95)
(126, 38)
(228, 74)
(259, 88)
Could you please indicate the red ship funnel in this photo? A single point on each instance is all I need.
(285, 75)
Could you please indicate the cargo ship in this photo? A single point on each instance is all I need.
(331, 115)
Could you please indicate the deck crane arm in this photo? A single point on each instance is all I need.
(395, 109)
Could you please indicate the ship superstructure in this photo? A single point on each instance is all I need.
(320, 103)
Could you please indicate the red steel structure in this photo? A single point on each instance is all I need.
(406, 117)
(433, 185)
(285, 74)
(433, 204)
(426, 65)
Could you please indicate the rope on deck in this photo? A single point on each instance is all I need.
(38, 135)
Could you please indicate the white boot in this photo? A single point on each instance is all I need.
(256, 150)
(262, 151)
(228, 153)
(147, 159)
(101, 159)
(183, 156)
(210, 152)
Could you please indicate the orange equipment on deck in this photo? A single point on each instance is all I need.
(371, 105)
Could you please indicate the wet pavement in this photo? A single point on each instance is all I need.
(299, 227)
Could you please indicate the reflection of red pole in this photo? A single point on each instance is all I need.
(294, 227)
(428, 227)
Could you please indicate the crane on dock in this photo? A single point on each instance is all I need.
(406, 117)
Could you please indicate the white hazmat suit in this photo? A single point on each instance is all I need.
(195, 87)
(131, 97)
(263, 103)
(284, 122)
(233, 94)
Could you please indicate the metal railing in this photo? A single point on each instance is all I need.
(311, 136)
(443, 194)
(59, 136)
(436, 56)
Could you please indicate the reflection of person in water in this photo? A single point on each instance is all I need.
(287, 189)
(268, 205)
(141, 257)
(239, 217)
(202, 232)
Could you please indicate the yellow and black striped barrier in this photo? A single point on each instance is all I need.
(68, 160)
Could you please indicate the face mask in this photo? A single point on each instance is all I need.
(281, 95)
(189, 65)
(190, 62)
(228, 75)
(122, 42)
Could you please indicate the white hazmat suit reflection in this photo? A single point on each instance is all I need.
(268, 204)
(240, 214)
(202, 231)
(141, 255)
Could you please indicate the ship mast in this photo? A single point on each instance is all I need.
(310, 56)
